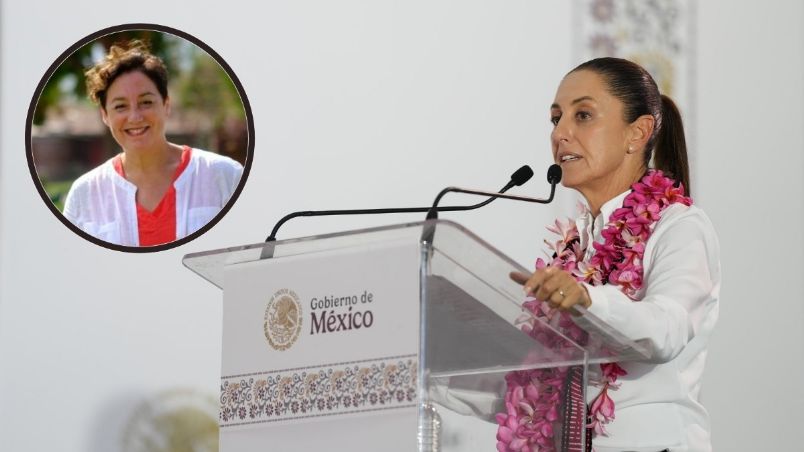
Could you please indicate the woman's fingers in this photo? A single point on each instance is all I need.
(551, 281)
(530, 282)
(534, 285)
(519, 278)
(572, 296)
(555, 286)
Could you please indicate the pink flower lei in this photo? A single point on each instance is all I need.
(533, 397)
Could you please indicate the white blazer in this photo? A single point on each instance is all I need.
(102, 203)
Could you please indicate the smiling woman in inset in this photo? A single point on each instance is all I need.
(641, 258)
(153, 192)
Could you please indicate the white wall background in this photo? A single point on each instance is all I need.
(383, 103)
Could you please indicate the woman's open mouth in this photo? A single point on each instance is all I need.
(135, 132)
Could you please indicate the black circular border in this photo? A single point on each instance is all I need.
(150, 27)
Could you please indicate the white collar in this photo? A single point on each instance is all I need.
(610, 206)
(591, 227)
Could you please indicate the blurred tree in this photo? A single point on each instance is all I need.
(70, 72)
(207, 87)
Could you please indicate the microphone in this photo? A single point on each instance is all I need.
(553, 178)
(554, 174)
(519, 177)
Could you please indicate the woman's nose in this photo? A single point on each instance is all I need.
(135, 114)
(560, 133)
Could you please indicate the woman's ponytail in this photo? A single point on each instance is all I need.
(670, 152)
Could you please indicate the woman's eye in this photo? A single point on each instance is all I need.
(147, 102)
(119, 107)
(583, 115)
(554, 119)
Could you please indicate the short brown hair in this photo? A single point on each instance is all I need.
(130, 56)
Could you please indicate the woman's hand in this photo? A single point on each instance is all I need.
(556, 287)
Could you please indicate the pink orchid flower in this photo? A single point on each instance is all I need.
(566, 230)
(611, 371)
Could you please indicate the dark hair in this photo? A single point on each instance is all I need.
(638, 92)
(122, 58)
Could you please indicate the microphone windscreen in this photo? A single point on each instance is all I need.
(522, 175)
(554, 174)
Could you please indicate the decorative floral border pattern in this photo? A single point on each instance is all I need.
(329, 390)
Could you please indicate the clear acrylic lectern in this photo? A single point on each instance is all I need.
(394, 338)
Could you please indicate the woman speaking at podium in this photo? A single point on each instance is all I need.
(640, 257)
(154, 192)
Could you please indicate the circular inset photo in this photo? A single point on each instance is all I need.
(139, 138)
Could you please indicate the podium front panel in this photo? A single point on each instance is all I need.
(320, 350)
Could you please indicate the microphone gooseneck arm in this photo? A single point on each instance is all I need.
(324, 213)
(553, 177)
(519, 177)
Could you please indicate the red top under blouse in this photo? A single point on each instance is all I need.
(159, 225)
